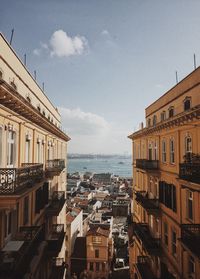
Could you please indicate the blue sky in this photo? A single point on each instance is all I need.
(104, 61)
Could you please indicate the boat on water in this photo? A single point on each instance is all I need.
(121, 163)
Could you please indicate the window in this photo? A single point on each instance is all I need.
(155, 150)
(7, 224)
(166, 234)
(149, 122)
(188, 145)
(12, 83)
(167, 195)
(187, 104)
(189, 203)
(96, 253)
(26, 210)
(38, 152)
(163, 116)
(173, 243)
(172, 157)
(103, 266)
(1, 74)
(27, 151)
(96, 239)
(150, 150)
(154, 120)
(171, 112)
(164, 155)
(91, 266)
(38, 107)
(44, 113)
(97, 266)
(11, 149)
(191, 264)
(28, 98)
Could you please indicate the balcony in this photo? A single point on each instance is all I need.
(190, 237)
(56, 203)
(16, 256)
(58, 268)
(14, 180)
(54, 167)
(150, 205)
(146, 164)
(55, 239)
(151, 244)
(190, 172)
(143, 268)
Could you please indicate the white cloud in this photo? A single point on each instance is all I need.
(63, 45)
(79, 122)
(91, 133)
(105, 32)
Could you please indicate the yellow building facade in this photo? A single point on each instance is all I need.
(33, 152)
(99, 251)
(164, 230)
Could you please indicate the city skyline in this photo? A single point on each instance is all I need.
(93, 58)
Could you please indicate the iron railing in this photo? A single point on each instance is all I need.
(55, 238)
(147, 164)
(56, 203)
(190, 237)
(151, 205)
(151, 244)
(13, 180)
(16, 264)
(190, 172)
(55, 165)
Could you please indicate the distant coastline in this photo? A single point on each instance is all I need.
(97, 156)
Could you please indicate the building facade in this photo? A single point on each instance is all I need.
(164, 229)
(32, 175)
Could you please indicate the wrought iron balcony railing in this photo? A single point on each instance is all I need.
(58, 268)
(150, 205)
(146, 164)
(13, 180)
(190, 172)
(151, 244)
(143, 267)
(190, 237)
(55, 238)
(16, 256)
(56, 203)
(54, 167)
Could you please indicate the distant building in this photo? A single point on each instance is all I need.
(99, 247)
(102, 178)
(74, 229)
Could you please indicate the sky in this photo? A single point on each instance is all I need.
(103, 62)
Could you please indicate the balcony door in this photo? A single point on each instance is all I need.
(27, 151)
(11, 149)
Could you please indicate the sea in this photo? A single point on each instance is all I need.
(117, 165)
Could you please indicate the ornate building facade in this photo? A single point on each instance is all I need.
(32, 175)
(164, 229)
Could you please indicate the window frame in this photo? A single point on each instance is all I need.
(164, 151)
(172, 150)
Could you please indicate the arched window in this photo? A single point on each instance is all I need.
(164, 155)
(149, 122)
(28, 98)
(154, 120)
(163, 116)
(172, 156)
(187, 104)
(155, 150)
(43, 112)
(188, 145)
(150, 151)
(38, 107)
(12, 83)
(171, 112)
